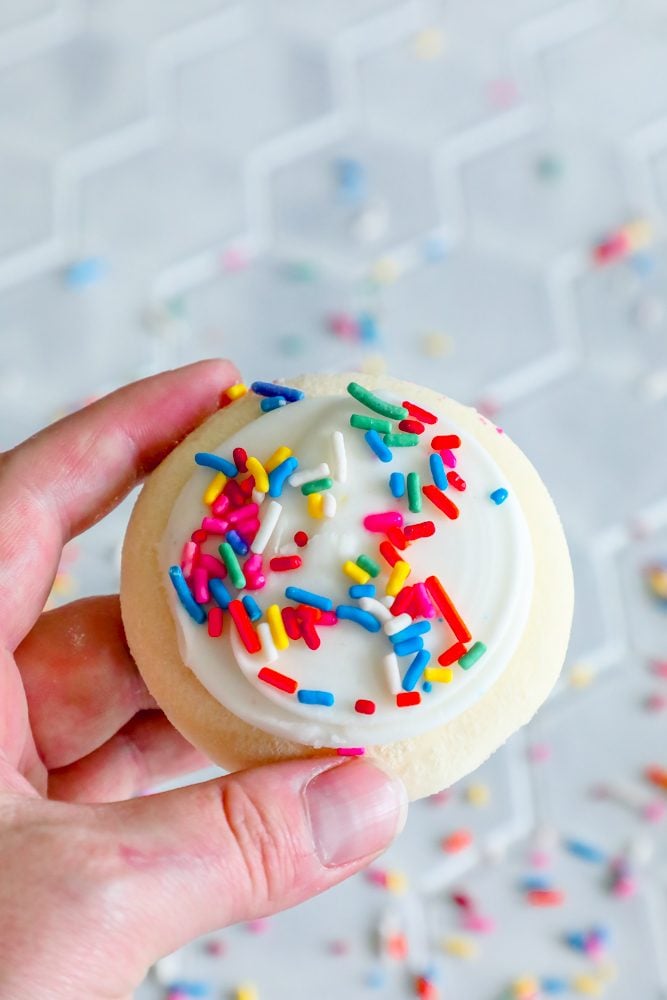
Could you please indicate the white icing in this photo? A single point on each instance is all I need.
(484, 560)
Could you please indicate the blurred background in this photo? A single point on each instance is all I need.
(470, 194)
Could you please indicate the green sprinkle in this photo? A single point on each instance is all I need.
(414, 492)
(365, 423)
(401, 440)
(376, 404)
(316, 486)
(470, 658)
(231, 562)
(368, 565)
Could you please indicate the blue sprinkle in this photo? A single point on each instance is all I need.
(252, 607)
(190, 988)
(438, 471)
(576, 940)
(279, 476)
(352, 181)
(308, 597)
(85, 272)
(271, 389)
(601, 933)
(358, 590)
(274, 403)
(409, 646)
(585, 851)
(240, 547)
(377, 445)
(219, 593)
(417, 628)
(397, 484)
(553, 986)
(308, 697)
(375, 979)
(185, 597)
(215, 462)
(499, 496)
(368, 331)
(364, 618)
(427, 687)
(435, 248)
(536, 883)
(415, 670)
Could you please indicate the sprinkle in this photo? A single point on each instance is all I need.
(437, 467)
(407, 698)
(267, 405)
(401, 440)
(277, 680)
(455, 480)
(348, 612)
(281, 564)
(395, 625)
(457, 841)
(392, 673)
(214, 525)
(452, 654)
(280, 474)
(355, 572)
(300, 539)
(316, 486)
(376, 608)
(420, 413)
(376, 404)
(214, 488)
(441, 675)
(209, 461)
(397, 484)
(587, 852)
(258, 472)
(364, 706)
(359, 590)
(423, 601)
(268, 646)
(246, 991)
(416, 669)
(252, 607)
(248, 511)
(321, 471)
(397, 578)
(470, 658)
(545, 897)
(196, 612)
(200, 585)
(230, 560)
(291, 622)
(413, 629)
(240, 456)
(446, 442)
(310, 697)
(339, 457)
(414, 494)
(329, 505)
(272, 389)
(377, 445)
(397, 537)
(351, 751)
(499, 496)
(657, 776)
(308, 597)
(279, 456)
(244, 627)
(278, 633)
(411, 427)
(306, 618)
(439, 500)
(381, 522)
(215, 623)
(449, 612)
(188, 556)
(402, 601)
(460, 947)
(389, 553)
(365, 423)
(316, 505)
(409, 646)
(449, 458)
(236, 391)
(267, 527)
(219, 593)
(239, 546)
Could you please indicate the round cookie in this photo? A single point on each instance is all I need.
(458, 728)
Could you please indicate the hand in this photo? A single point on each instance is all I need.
(94, 889)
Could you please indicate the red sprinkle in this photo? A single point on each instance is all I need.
(455, 480)
(545, 897)
(402, 601)
(301, 539)
(389, 553)
(277, 680)
(307, 619)
(419, 412)
(215, 622)
(240, 456)
(199, 535)
(411, 426)
(446, 441)
(449, 612)
(234, 493)
(364, 706)
(407, 698)
(247, 486)
(463, 900)
(290, 622)
(280, 564)
(439, 500)
(422, 530)
(452, 654)
(248, 636)
(397, 538)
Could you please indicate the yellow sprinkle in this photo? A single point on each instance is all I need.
(236, 391)
(279, 455)
(397, 578)
(526, 988)
(374, 364)
(460, 947)
(587, 984)
(355, 572)
(396, 882)
(278, 633)
(639, 233)
(256, 469)
(581, 675)
(478, 795)
(215, 487)
(385, 271)
(428, 44)
(607, 972)
(315, 505)
(442, 675)
(246, 991)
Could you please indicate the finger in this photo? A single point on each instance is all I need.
(243, 846)
(80, 680)
(68, 476)
(145, 751)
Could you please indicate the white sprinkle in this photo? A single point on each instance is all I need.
(376, 608)
(329, 504)
(258, 497)
(269, 521)
(397, 624)
(308, 475)
(392, 673)
(388, 600)
(339, 456)
(268, 645)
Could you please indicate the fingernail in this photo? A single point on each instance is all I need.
(355, 810)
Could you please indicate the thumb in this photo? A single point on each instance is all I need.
(247, 845)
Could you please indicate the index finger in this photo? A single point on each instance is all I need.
(68, 476)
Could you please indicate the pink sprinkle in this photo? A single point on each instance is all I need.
(344, 325)
(253, 564)
(656, 702)
(382, 522)
(214, 525)
(213, 566)
(255, 582)
(258, 925)
(478, 922)
(188, 557)
(624, 887)
(654, 811)
(350, 751)
(377, 876)
(235, 259)
(249, 511)
(449, 458)
(220, 505)
(247, 530)
(200, 584)
(327, 618)
(659, 667)
(539, 752)
(426, 609)
(539, 859)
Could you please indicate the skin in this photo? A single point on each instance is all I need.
(97, 885)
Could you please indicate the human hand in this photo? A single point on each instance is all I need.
(94, 889)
